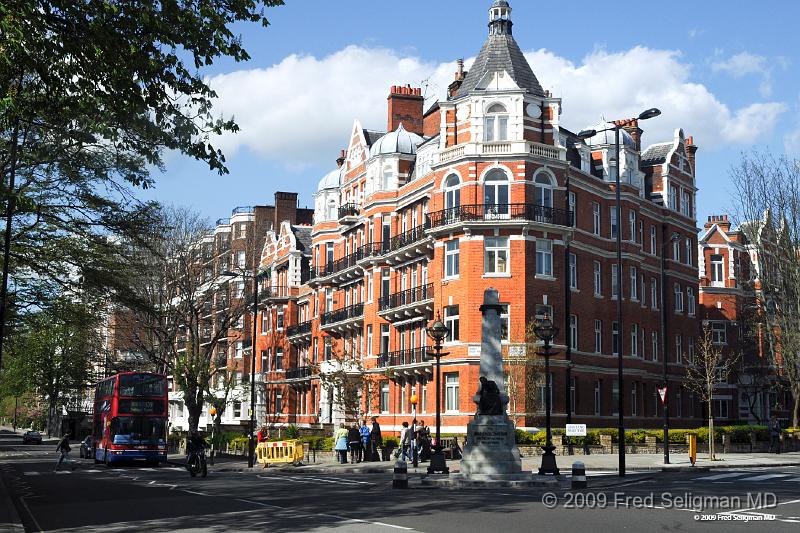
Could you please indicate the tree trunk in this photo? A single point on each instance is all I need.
(710, 431)
(796, 410)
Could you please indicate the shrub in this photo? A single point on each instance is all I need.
(292, 432)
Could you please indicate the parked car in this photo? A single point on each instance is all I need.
(32, 437)
(87, 451)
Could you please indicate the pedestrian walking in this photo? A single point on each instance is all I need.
(424, 437)
(365, 447)
(375, 439)
(774, 435)
(340, 443)
(63, 450)
(405, 443)
(455, 449)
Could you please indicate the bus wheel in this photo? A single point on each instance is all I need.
(105, 459)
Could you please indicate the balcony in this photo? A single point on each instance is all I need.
(277, 293)
(408, 245)
(303, 372)
(342, 319)
(494, 213)
(241, 209)
(347, 267)
(223, 222)
(407, 304)
(299, 333)
(348, 213)
(409, 356)
(495, 148)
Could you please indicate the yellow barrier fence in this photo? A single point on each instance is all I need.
(285, 451)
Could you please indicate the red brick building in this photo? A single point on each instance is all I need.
(733, 307)
(485, 189)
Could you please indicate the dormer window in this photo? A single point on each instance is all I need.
(496, 124)
(386, 177)
(330, 211)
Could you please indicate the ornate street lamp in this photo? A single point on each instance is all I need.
(617, 125)
(547, 331)
(438, 331)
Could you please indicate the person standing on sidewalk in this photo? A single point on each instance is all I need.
(364, 432)
(375, 439)
(354, 443)
(340, 443)
(63, 450)
(774, 435)
(405, 443)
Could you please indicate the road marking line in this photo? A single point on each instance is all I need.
(763, 477)
(720, 476)
(30, 514)
(337, 517)
(193, 492)
(31, 473)
(792, 479)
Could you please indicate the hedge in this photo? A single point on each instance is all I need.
(738, 435)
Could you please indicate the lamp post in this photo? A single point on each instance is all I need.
(438, 331)
(414, 452)
(257, 276)
(547, 331)
(615, 127)
(664, 242)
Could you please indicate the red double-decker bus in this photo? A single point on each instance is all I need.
(130, 418)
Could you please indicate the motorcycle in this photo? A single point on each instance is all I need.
(196, 463)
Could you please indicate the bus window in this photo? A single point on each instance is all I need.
(141, 385)
(137, 430)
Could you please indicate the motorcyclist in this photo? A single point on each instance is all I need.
(194, 444)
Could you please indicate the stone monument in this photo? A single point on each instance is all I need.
(491, 451)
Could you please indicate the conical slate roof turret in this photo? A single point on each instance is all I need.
(501, 53)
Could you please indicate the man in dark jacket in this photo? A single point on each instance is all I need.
(375, 439)
(63, 450)
(774, 435)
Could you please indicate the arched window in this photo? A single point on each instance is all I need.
(452, 191)
(330, 212)
(496, 124)
(495, 192)
(543, 190)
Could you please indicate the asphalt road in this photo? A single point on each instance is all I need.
(94, 498)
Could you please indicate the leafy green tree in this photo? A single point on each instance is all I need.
(92, 92)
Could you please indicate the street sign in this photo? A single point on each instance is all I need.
(576, 430)
(662, 391)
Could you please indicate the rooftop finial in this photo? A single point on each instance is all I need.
(500, 18)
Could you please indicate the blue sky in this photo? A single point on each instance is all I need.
(726, 72)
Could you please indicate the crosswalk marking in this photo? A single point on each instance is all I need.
(763, 477)
(720, 476)
(795, 479)
(309, 479)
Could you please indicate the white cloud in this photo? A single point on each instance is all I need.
(299, 111)
(745, 63)
(791, 143)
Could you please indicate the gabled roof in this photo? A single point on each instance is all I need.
(501, 53)
(302, 235)
(372, 135)
(655, 154)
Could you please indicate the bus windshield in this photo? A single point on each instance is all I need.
(141, 385)
(137, 430)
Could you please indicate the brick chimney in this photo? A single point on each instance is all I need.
(720, 220)
(635, 132)
(691, 149)
(452, 89)
(405, 106)
(341, 158)
(285, 209)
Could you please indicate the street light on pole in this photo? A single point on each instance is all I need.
(414, 451)
(615, 127)
(664, 242)
(256, 276)
(547, 331)
(438, 331)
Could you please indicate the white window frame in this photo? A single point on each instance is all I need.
(678, 298)
(598, 278)
(451, 392)
(598, 336)
(451, 258)
(573, 271)
(573, 332)
(544, 257)
(653, 240)
(634, 284)
(690, 301)
(495, 124)
(596, 219)
(496, 250)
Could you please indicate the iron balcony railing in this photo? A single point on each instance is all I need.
(223, 221)
(303, 328)
(409, 356)
(298, 373)
(340, 315)
(362, 252)
(242, 209)
(406, 297)
(489, 212)
(404, 239)
(348, 210)
(275, 292)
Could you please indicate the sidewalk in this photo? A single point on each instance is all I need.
(604, 462)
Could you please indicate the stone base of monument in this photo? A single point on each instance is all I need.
(490, 458)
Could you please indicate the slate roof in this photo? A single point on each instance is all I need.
(501, 53)
(371, 136)
(302, 235)
(655, 154)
